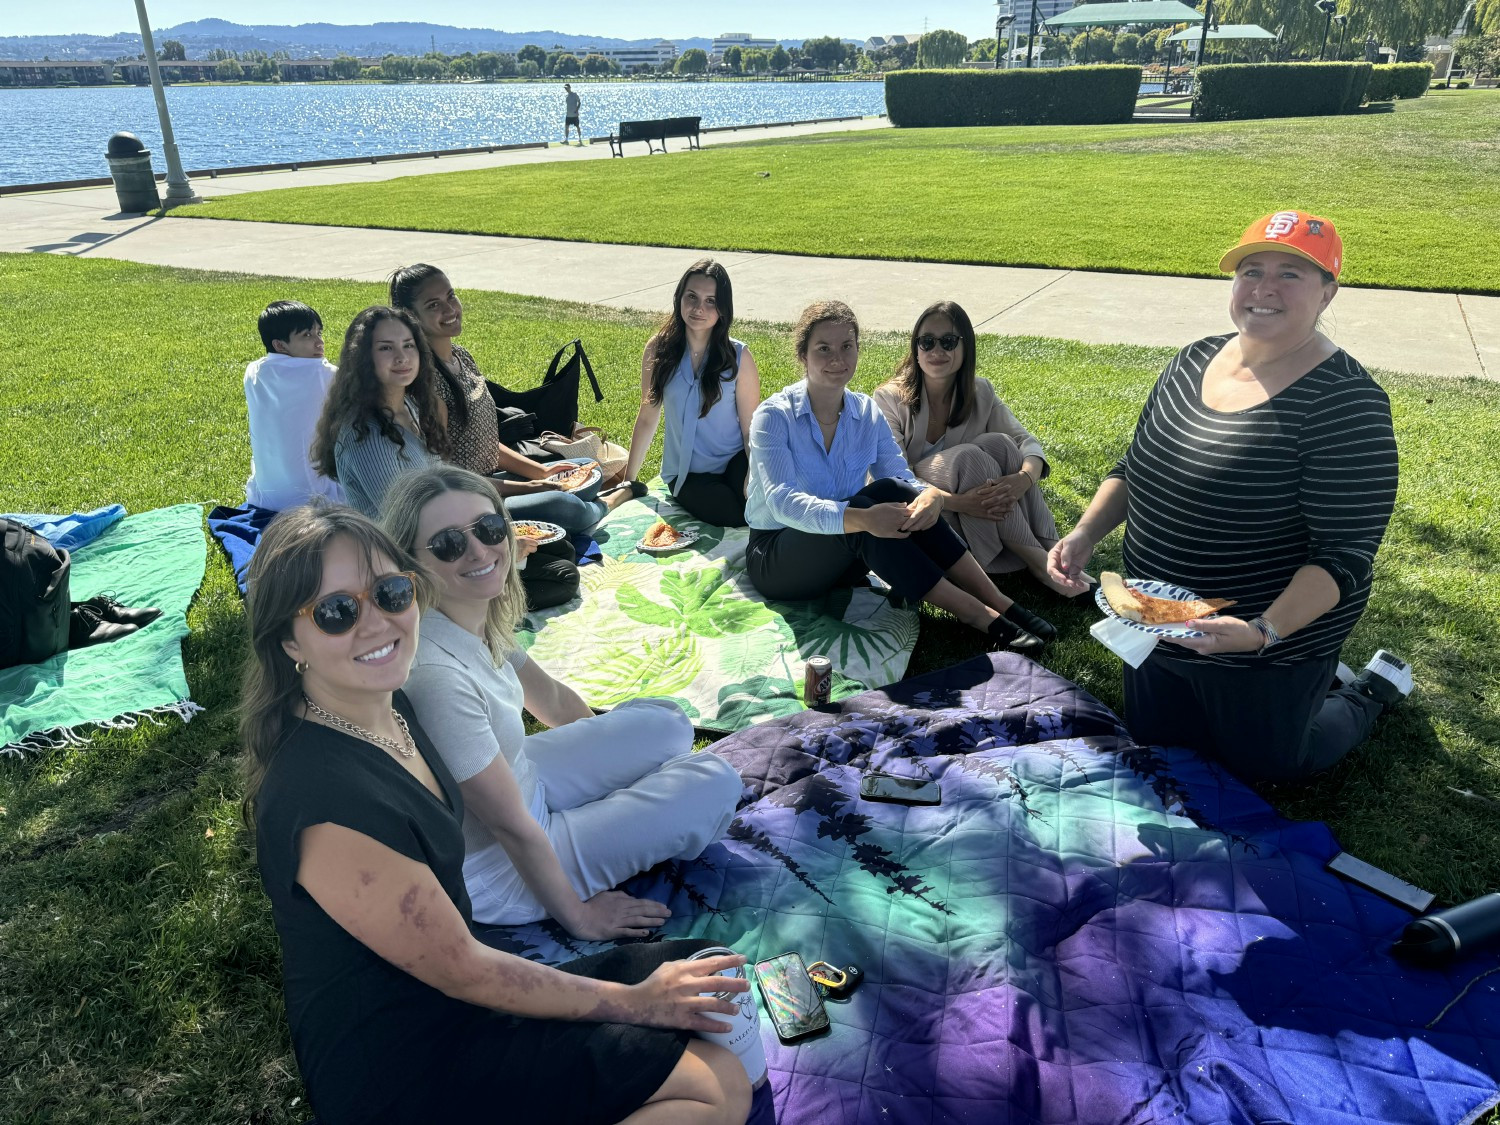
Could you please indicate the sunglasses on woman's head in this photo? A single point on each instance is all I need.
(337, 613)
(450, 544)
(948, 341)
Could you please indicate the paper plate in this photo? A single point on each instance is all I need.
(685, 539)
(1156, 590)
(595, 476)
(545, 532)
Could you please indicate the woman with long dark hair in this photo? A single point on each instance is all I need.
(831, 498)
(959, 437)
(383, 416)
(398, 1012)
(473, 426)
(707, 385)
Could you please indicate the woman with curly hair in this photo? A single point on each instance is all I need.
(708, 386)
(383, 416)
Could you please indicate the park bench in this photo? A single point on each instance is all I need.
(653, 131)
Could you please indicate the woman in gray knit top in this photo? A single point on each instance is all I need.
(382, 418)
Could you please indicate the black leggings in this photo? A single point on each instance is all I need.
(790, 565)
(717, 498)
(1277, 723)
(551, 575)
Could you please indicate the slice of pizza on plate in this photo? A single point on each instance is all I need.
(1133, 605)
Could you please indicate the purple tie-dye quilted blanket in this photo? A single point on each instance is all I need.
(1085, 930)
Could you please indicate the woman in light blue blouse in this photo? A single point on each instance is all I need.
(832, 498)
(708, 386)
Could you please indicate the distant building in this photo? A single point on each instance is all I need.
(1046, 9)
(879, 42)
(743, 41)
(31, 72)
(662, 53)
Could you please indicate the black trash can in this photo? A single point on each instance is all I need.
(130, 168)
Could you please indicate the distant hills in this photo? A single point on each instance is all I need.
(314, 40)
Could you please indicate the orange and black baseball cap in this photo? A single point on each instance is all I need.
(1290, 232)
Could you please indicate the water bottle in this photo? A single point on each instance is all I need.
(1459, 929)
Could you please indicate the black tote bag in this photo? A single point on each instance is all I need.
(553, 405)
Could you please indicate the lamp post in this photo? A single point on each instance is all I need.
(1327, 7)
(1036, 18)
(1343, 22)
(178, 189)
(1003, 20)
(1208, 18)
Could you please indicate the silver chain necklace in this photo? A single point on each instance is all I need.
(408, 750)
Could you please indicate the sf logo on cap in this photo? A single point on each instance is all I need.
(1282, 223)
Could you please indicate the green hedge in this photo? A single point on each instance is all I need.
(1398, 80)
(1074, 95)
(1235, 92)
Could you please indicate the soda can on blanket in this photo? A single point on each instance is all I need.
(817, 681)
(743, 1038)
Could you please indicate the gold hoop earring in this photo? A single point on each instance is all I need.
(300, 667)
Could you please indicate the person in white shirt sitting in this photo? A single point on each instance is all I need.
(284, 393)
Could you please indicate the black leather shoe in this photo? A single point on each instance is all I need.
(1019, 615)
(1006, 634)
(113, 611)
(87, 626)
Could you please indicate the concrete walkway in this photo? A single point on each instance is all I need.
(1395, 330)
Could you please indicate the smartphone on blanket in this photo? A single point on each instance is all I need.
(900, 790)
(792, 999)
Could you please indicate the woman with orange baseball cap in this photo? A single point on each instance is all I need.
(1262, 469)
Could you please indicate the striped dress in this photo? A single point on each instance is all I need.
(1230, 505)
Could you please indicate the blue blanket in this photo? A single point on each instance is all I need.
(1085, 930)
(70, 532)
(238, 531)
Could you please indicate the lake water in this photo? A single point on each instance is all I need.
(48, 135)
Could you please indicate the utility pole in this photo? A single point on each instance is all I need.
(178, 189)
(1208, 18)
(1036, 18)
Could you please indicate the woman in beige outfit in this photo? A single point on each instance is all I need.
(959, 437)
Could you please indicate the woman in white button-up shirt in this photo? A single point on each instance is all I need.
(831, 497)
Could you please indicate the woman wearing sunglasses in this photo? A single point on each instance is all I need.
(398, 1013)
(708, 386)
(831, 498)
(960, 438)
(558, 818)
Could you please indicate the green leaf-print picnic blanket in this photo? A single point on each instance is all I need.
(690, 627)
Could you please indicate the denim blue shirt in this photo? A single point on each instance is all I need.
(794, 482)
(691, 444)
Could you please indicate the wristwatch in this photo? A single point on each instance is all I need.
(1269, 635)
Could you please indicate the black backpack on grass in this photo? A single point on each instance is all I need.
(34, 604)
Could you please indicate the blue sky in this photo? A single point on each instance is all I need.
(633, 19)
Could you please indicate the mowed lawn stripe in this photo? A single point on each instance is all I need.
(1415, 194)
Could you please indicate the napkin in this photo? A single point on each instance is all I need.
(1130, 645)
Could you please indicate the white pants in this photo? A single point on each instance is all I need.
(624, 792)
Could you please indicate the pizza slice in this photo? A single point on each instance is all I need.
(572, 478)
(1148, 610)
(530, 531)
(661, 534)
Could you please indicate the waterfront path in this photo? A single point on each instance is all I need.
(1398, 330)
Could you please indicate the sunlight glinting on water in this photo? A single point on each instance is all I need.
(48, 135)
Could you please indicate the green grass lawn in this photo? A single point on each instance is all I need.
(1415, 194)
(139, 973)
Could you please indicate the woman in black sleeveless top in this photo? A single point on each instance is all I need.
(398, 1013)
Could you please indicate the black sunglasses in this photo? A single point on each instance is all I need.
(948, 341)
(336, 614)
(450, 544)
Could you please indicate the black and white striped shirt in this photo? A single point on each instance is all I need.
(1230, 505)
